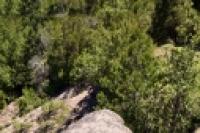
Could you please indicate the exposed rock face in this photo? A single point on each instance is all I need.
(33, 120)
(197, 130)
(103, 121)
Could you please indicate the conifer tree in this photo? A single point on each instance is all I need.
(175, 20)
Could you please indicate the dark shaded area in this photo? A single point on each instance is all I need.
(57, 8)
(196, 4)
(195, 123)
(86, 106)
(158, 31)
(173, 22)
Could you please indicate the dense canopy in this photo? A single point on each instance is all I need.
(46, 45)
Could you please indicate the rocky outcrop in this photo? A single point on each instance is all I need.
(7, 114)
(70, 112)
(197, 130)
(38, 120)
(103, 121)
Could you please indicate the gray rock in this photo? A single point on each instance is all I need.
(103, 121)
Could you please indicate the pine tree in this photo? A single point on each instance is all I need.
(169, 106)
(13, 46)
(175, 20)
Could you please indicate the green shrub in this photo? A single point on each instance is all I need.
(53, 106)
(55, 110)
(29, 101)
(159, 103)
(21, 127)
(54, 115)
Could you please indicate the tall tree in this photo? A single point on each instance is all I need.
(175, 20)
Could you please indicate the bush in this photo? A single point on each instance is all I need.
(55, 109)
(21, 127)
(157, 103)
(54, 115)
(29, 101)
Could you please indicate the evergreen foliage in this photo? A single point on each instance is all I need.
(50, 44)
(29, 101)
(176, 20)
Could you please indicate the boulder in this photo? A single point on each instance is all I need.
(103, 121)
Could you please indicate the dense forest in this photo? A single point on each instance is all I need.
(142, 55)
